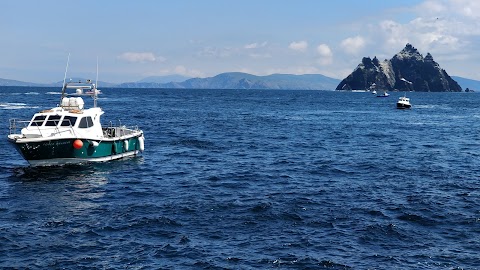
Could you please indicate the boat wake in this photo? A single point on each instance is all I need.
(432, 106)
(14, 106)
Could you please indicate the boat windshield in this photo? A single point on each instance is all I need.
(68, 121)
(53, 120)
(38, 121)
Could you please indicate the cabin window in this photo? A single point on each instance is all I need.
(38, 121)
(53, 120)
(69, 121)
(86, 122)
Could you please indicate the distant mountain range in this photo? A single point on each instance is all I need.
(238, 80)
(230, 80)
(467, 83)
(6, 82)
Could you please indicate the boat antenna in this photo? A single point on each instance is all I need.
(95, 93)
(96, 79)
(64, 78)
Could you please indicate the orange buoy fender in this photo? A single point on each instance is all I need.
(77, 144)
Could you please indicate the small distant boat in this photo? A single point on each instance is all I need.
(385, 94)
(403, 103)
(70, 133)
(372, 88)
(359, 91)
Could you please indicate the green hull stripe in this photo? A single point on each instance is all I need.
(63, 149)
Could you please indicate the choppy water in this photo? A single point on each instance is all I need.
(239, 179)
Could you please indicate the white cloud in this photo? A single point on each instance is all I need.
(298, 70)
(182, 70)
(353, 45)
(428, 34)
(448, 29)
(449, 17)
(141, 57)
(300, 46)
(305, 70)
(431, 7)
(324, 50)
(466, 8)
(216, 52)
(260, 55)
(177, 70)
(255, 45)
(326, 55)
(395, 34)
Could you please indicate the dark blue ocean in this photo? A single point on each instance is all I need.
(250, 179)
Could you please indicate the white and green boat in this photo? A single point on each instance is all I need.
(70, 133)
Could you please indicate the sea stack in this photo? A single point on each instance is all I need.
(408, 70)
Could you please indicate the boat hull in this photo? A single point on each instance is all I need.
(63, 151)
(403, 106)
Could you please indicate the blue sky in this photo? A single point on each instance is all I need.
(137, 39)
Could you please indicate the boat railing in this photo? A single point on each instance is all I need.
(118, 124)
(116, 130)
(17, 124)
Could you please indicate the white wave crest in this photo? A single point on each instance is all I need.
(15, 106)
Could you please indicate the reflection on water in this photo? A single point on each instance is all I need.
(53, 173)
(74, 172)
(62, 191)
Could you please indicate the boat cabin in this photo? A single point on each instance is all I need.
(70, 119)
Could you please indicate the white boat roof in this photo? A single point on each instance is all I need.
(70, 86)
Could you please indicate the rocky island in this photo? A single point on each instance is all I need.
(408, 70)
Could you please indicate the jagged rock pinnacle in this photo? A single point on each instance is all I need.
(408, 70)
